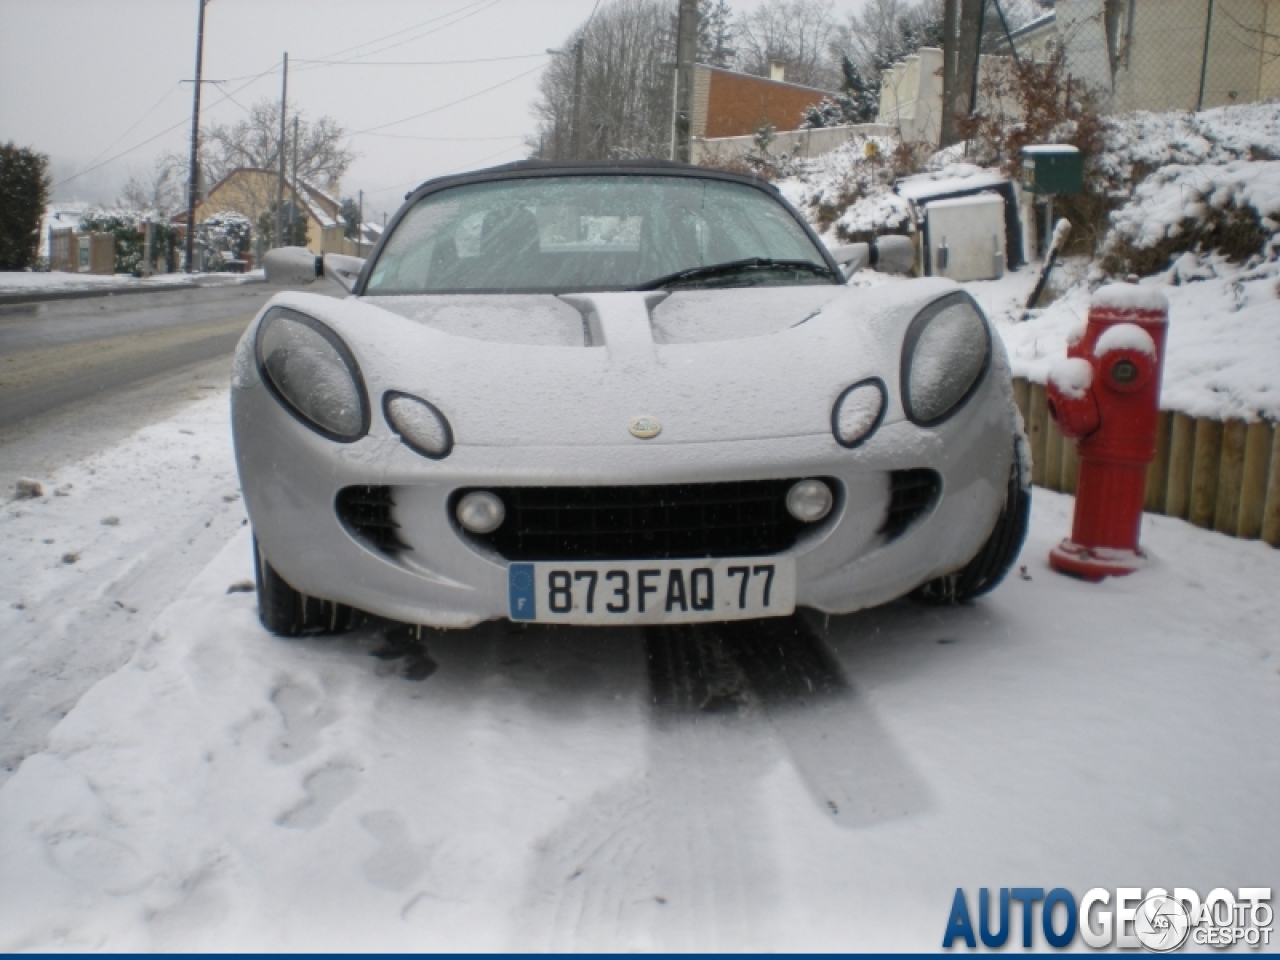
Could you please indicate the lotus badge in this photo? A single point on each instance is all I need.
(645, 427)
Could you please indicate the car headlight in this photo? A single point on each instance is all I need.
(311, 371)
(420, 425)
(858, 411)
(944, 355)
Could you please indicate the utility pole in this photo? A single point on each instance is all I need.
(577, 98)
(968, 49)
(686, 53)
(950, 102)
(284, 108)
(360, 224)
(293, 207)
(193, 182)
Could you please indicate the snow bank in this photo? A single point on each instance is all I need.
(1175, 197)
(1222, 352)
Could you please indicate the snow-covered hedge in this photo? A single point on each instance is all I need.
(129, 228)
(1232, 208)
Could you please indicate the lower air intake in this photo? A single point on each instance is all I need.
(366, 512)
(911, 495)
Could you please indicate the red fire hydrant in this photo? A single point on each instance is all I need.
(1106, 395)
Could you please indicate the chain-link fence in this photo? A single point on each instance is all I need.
(1161, 54)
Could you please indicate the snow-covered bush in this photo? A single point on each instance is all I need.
(1232, 209)
(225, 232)
(129, 228)
(849, 192)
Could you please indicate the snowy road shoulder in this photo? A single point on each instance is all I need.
(228, 790)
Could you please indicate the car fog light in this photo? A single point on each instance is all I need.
(420, 425)
(481, 512)
(809, 500)
(858, 412)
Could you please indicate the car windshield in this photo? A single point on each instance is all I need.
(582, 233)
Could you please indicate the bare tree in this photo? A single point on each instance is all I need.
(799, 33)
(628, 49)
(162, 188)
(324, 154)
(885, 31)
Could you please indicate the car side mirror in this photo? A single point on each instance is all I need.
(888, 254)
(291, 266)
(894, 254)
(342, 269)
(852, 257)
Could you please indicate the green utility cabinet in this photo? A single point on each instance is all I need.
(1052, 168)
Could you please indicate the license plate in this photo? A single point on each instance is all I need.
(652, 591)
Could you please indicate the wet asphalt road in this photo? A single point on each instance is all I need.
(64, 354)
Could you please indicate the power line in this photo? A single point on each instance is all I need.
(150, 110)
(420, 63)
(425, 33)
(451, 103)
(410, 136)
(468, 166)
(170, 129)
(423, 23)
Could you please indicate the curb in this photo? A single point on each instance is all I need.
(36, 296)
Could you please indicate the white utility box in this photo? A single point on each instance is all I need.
(966, 237)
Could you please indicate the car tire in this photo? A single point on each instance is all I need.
(288, 613)
(984, 572)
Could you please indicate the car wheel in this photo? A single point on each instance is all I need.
(287, 613)
(984, 572)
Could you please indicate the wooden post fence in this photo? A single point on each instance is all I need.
(1220, 475)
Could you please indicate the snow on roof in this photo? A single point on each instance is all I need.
(1050, 148)
(951, 179)
(989, 198)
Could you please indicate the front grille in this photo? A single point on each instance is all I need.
(366, 512)
(911, 493)
(665, 521)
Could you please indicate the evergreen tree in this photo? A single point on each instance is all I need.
(24, 193)
(350, 213)
(716, 33)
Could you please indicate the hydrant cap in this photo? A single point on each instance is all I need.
(1125, 336)
(1130, 296)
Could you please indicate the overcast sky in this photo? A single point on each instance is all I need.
(84, 80)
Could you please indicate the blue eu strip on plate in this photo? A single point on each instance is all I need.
(520, 588)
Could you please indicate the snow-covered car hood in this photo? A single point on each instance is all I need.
(567, 370)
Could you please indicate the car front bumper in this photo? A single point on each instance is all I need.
(291, 478)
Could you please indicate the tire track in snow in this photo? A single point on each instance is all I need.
(682, 858)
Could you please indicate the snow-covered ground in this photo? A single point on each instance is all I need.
(55, 281)
(1223, 348)
(224, 789)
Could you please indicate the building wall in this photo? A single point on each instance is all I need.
(1157, 65)
(798, 144)
(911, 96)
(252, 193)
(737, 104)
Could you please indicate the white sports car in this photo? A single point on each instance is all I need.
(617, 393)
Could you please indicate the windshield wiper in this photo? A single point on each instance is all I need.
(735, 266)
